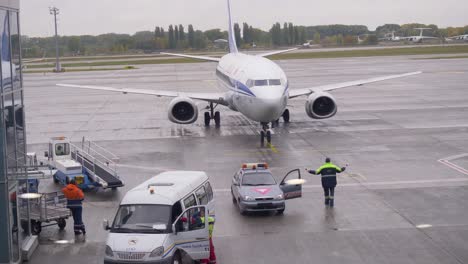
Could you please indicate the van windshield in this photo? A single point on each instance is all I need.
(142, 218)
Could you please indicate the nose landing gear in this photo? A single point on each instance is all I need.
(265, 134)
(216, 116)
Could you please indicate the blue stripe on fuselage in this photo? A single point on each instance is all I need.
(243, 88)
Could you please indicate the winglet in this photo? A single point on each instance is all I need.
(232, 37)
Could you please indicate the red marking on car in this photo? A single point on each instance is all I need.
(262, 190)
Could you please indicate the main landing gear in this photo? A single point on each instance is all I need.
(216, 116)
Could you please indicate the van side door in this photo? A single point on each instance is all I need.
(191, 233)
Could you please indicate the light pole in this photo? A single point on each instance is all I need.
(55, 11)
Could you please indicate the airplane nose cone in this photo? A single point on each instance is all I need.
(269, 110)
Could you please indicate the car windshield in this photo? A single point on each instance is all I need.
(142, 218)
(258, 178)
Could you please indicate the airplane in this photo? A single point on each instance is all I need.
(459, 37)
(255, 86)
(392, 37)
(418, 39)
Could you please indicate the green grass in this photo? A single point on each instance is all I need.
(375, 52)
(115, 57)
(83, 70)
(113, 63)
(285, 56)
(442, 57)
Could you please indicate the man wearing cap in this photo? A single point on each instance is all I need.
(328, 172)
(75, 198)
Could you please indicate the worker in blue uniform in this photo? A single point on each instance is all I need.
(328, 171)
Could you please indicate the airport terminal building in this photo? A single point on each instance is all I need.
(13, 179)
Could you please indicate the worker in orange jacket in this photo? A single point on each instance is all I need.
(75, 199)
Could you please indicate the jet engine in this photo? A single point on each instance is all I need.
(320, 105)
(182, 110)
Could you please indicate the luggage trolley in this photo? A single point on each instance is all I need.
(49, 208)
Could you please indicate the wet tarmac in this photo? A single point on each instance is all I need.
(401, 200)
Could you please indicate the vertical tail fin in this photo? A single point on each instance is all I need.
(232, 37)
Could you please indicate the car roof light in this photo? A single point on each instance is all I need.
(254, 166)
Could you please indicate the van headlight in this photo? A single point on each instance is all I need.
(109, 252)
(157, 252)
(279, 197)
(247, 198)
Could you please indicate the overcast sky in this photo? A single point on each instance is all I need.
(93, 17)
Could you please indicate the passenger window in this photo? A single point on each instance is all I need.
(209, 191)
(190, 201)
(202, 196)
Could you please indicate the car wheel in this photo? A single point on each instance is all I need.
(177, 258)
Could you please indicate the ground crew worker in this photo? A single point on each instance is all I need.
(211, 222)
(75, 198)
(328, 172)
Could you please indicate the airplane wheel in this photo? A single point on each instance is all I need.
(268, 137)
(207, 119)
(217, 118)
(286, 116)
(262, 137)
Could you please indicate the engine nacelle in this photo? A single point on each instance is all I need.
(321, 105)
(182, 110)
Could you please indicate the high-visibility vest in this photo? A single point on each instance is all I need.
(211, 222)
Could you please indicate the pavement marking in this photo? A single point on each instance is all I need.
(384, 183)
(446, 161)
(272, 148)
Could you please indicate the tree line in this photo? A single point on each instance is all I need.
(176, 37)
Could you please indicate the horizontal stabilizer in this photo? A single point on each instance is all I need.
(206, 58)
(275, 52)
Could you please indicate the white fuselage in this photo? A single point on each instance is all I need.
(257, 87)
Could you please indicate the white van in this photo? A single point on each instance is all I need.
(159, 221)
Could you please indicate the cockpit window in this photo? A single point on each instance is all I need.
(274, 82)
(252, 83)
(261, 82)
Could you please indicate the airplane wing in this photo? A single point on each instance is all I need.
(206, 58)
(329, 87)
(275, 52)
(217, 98)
